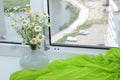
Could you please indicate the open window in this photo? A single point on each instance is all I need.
(74, 23)
(15, 8)
(84, 23)
(12, 6)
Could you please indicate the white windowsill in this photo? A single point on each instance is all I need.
(10, 55)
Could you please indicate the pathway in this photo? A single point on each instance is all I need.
(95, 37)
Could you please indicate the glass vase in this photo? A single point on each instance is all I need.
(35, 60)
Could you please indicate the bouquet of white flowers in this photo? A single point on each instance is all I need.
(29, 25)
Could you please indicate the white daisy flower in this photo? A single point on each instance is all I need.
(16, 7)
(9, 14)
(37, 28)
(13, 25)
(27, 5)
(24, 22)
(44, 14)
(36, 14)
(48, 24)
(28, 10)
(36, 23)
(33, 41)
(40, 37)
(31, 25)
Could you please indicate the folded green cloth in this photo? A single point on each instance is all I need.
(80, 67)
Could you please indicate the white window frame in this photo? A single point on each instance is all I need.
(75, 48)
(2, 20)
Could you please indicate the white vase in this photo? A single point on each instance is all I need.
(35, 60)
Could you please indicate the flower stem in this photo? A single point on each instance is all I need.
(33, 46)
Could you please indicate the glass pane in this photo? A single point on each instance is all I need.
(83, 22)
(14, 7)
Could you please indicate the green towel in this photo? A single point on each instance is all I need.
(80, 67)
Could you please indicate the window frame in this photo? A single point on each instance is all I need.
(50, 44)
(70, 45)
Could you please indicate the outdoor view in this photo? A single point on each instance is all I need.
(80, 22)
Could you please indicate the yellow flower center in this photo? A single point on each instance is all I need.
(37, 28)
(24, 22)
(48, 23)
(17, 7)
(40, 37)
(24, 41)
(33, 41)
(13, 25)
(8, 14)
(44, 14)
(36, 22)
(28, 10)
(30, 24)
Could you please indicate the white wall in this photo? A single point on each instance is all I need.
(2, 20)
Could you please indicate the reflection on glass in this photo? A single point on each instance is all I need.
(83, 22)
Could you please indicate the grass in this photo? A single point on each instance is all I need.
(86, 25)
(8, 4)
(74, 14)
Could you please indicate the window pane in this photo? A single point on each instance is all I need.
(14, 7)
(16, 14)
(83, 22)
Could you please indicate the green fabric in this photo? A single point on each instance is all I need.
(81, 67)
